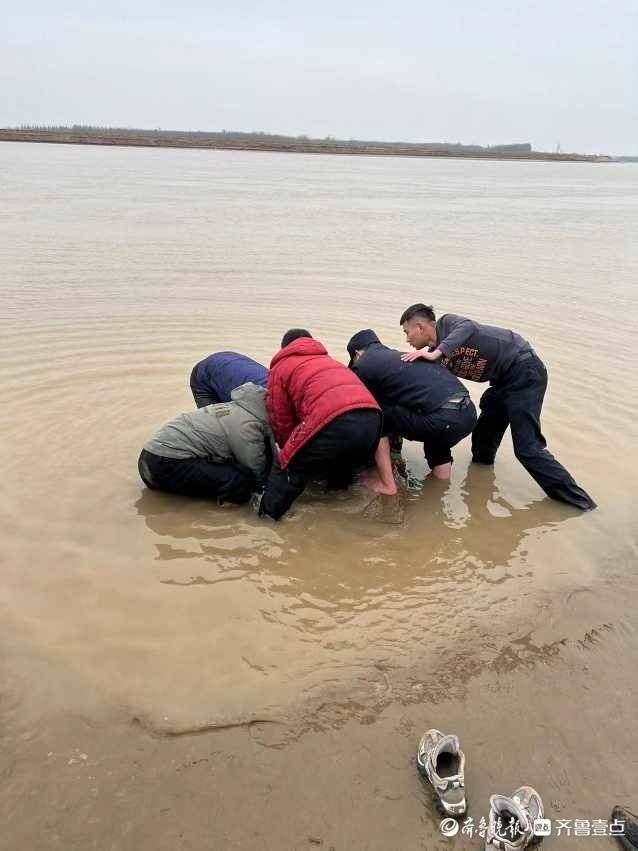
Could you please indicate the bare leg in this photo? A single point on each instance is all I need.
(382, 479)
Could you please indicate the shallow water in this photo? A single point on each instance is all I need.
(133, 620)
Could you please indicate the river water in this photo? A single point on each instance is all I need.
(176, 675)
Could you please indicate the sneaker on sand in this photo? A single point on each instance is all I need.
(628, 839)
(511, 822)
(441, 761)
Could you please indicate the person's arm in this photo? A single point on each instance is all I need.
(249, 448)
(455, 331)
(281, 412)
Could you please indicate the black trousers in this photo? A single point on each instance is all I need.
(199, 477)
(516, 401)
(345, 444)
(203, 396)
(438, 431)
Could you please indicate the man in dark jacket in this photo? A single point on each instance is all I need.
(423, 402)
(518, 380)
(214, 378)
(323, 419)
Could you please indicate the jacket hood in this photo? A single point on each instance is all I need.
(303, 346)
(252, 398)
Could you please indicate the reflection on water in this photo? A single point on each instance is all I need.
(379, 605)
(483, 537)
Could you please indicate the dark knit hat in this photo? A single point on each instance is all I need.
(361, 340)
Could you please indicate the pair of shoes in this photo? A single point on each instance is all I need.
(512, 821)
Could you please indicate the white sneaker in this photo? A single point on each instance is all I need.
(441, 761)
(511, 822)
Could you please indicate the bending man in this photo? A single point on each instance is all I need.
(219, 452)
(214, 378)
(518, 380)
(421, 402)
(324, 420)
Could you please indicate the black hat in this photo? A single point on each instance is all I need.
(361, 340)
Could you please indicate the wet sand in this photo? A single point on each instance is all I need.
(180, 676)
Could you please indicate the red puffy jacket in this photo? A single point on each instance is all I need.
(307, 389)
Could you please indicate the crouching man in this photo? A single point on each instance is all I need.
(429, 405)
(220, 452)
(324, 420)
(214, 378)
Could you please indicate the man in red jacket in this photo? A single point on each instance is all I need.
(325, 422)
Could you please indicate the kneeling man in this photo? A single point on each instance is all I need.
(429, 405)
(219, 452)
(324, 420)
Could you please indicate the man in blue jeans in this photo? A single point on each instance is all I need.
(518, 380)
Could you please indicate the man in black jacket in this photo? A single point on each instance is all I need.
(425, 404)
(518, 380)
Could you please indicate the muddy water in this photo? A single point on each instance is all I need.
(175, 675)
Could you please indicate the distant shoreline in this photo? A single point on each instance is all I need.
(139, 139)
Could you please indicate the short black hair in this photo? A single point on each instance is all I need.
(294, 334)
(423, 311)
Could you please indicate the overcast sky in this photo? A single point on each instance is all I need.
(477, 71)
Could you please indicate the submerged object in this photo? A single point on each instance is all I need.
(386, 509)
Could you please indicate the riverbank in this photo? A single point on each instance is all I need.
(344, 777)
(228, 142)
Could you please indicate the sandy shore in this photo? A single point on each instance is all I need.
(342, 777)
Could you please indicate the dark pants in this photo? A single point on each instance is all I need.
(516, 401)
(438, 431)
(346, 443)
(199, 477)
(202, 395)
